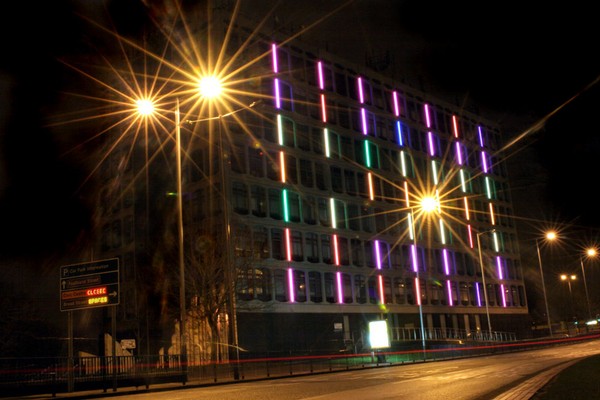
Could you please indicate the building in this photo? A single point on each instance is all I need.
(324, 165)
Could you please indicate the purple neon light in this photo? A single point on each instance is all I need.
(275, 64)
(339, 287)
(430, 140)
(449, 289)
(427, 119)
(291, 285)
(399, 132)
(377, 254)
(499, 267)
(480, 134)
(503, 295)
(446, 264)
(459, 158)
(361, 96)
(321, 82)
(277, 97)
(484, 162)
(477, 291)
(413, 252)
(363, 114)
(396, 105)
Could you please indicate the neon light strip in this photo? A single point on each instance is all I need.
(277, 96)
(403, 163)
(415, 262)
(463, 182)
(321, 80)
(406, 194)
(323, 109)
(503, 295)
(492, 214)
(367, 154)
(339, 287)
(496, 244)
(399, 133)
(470, 233)
(480, 136)
(427, 118)
(363, 115)
(478, 294)
(361, 96)
(291, 285)
(499, 267)
(396, 104)
(332, 208)
(282, 163)
(455, 126)
(418, 291)
(288, 244)
(411, 227)
(442, 232)
(279, 130)
(381, 296)
(467, 216)
(336, 252)
(449, 290)
(430, 141)
(459, 158)
(488, 187)
(446, 262)
(434, 172)
(484, 162)
(377, 255)
(275, 63)
(371, 189)
(326, 140)
(286, 213)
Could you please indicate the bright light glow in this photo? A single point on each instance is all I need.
(418, 291)
(459, 157)
(282, 163)
(430, 141)
(363, 116)
(361, 96)
(467, 214)
(336, 251)
(484, 162)
(591, 252)
(210, 87)
(480, 136)
(323, 109)
(371, 189)
(286, 212)
(429, 204)
(326, 141)
(455, 125)
(279, 130)
(291, 285)
(415, 263)
(381, 294)
(396, 106)
(551, 235)
(478, 294)
(333, 217)
(277, 96)
(449, 289)
(274, 52)
(378, 335)
(338, 277)
(145, 107)
(399, 133)
(320, 72)
(377, 255)
(288, 244)
(427, 118)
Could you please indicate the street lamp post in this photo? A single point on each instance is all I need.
(418, 281)
(182, 307)
(485, 294)
(568, 279)
(550, 236)
(591, 253)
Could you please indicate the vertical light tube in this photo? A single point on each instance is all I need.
(282, 165)
(274, 53)
(493, 218)
(503, 294)
(430, 142)
(381, 291)
(279, 130)
(467, 214)
(463, 181)
(277, 96)
(449, 290)
(396, 105)
(291, 285)
(480, 135)
(455, 126)
(418, 291)
(446, 262)
(361, 96)
(484, 163)
(442, 232)
(323, 108)
(399, 133)
(470, 233)
(499, 267)
(411, 226)
(338, 276)
(363, 116)
(377, 254)
(459, 157)
(403, 163)
(415, 262)
(336, 251)
(478, 294)
(286, 214)
(320, 72)
(288, 244)
(326, 142)
(332, 209)
(427, 118)
(367, 154)
(371, 188)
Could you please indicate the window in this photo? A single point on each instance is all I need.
(347, 288)
(277, 244)
(306, 173)
(279, 278)
(300, 286)
(337, 183)
(260, 242)
(344, 251)
(258, 201)
(320, 175)
(275, 208)
(297, 248)
(262, 277)
(311, 247)
(240, 198)
(273, 166)
(329, 287)
(323, 205)
(314, 286)
(303, 137)
(256, 160)
(326, 249)
(358, 258)
(360, 289)
(350, 181)
(295, 212)
(399, 291)
(309, 210)
(291, 169)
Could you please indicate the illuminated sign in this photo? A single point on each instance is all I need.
(88, 285)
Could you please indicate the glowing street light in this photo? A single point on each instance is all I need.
(591, 252)
(550, 236)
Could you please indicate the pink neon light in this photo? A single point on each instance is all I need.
(291, 285)
(449, 289)
(377, 254)
(361, 96)
(459, 158)
(381, 296)
(484, 162)
(277, 96)
(396, 105)
(499, 267)
(282, 165)
(446, 264)
(413, 252)
(363, 115)
(339, 287)
(480, 136)
(455, 125)
(320, 69)
(288, 244)
(478, 294)
(275, 64)
(323, 109)
(470, 232)
(430, 140)
(427, 119)
(503, 295)
(418, 291)
(336, 252)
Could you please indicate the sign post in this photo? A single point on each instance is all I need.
(89, 285)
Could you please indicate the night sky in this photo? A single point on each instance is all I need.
(517, 64)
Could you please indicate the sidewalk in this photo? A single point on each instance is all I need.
(580, 380)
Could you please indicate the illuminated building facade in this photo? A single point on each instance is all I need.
(324, 183)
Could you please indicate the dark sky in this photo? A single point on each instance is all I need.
(518, 61)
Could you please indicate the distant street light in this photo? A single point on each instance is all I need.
(485, 294)
(550, 236)
(590, 253)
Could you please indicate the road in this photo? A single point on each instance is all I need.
(511, 376)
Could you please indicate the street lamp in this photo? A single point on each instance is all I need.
(568, 279)
(427, 204)
(550, 236)
(485, 293)
(590, 253)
